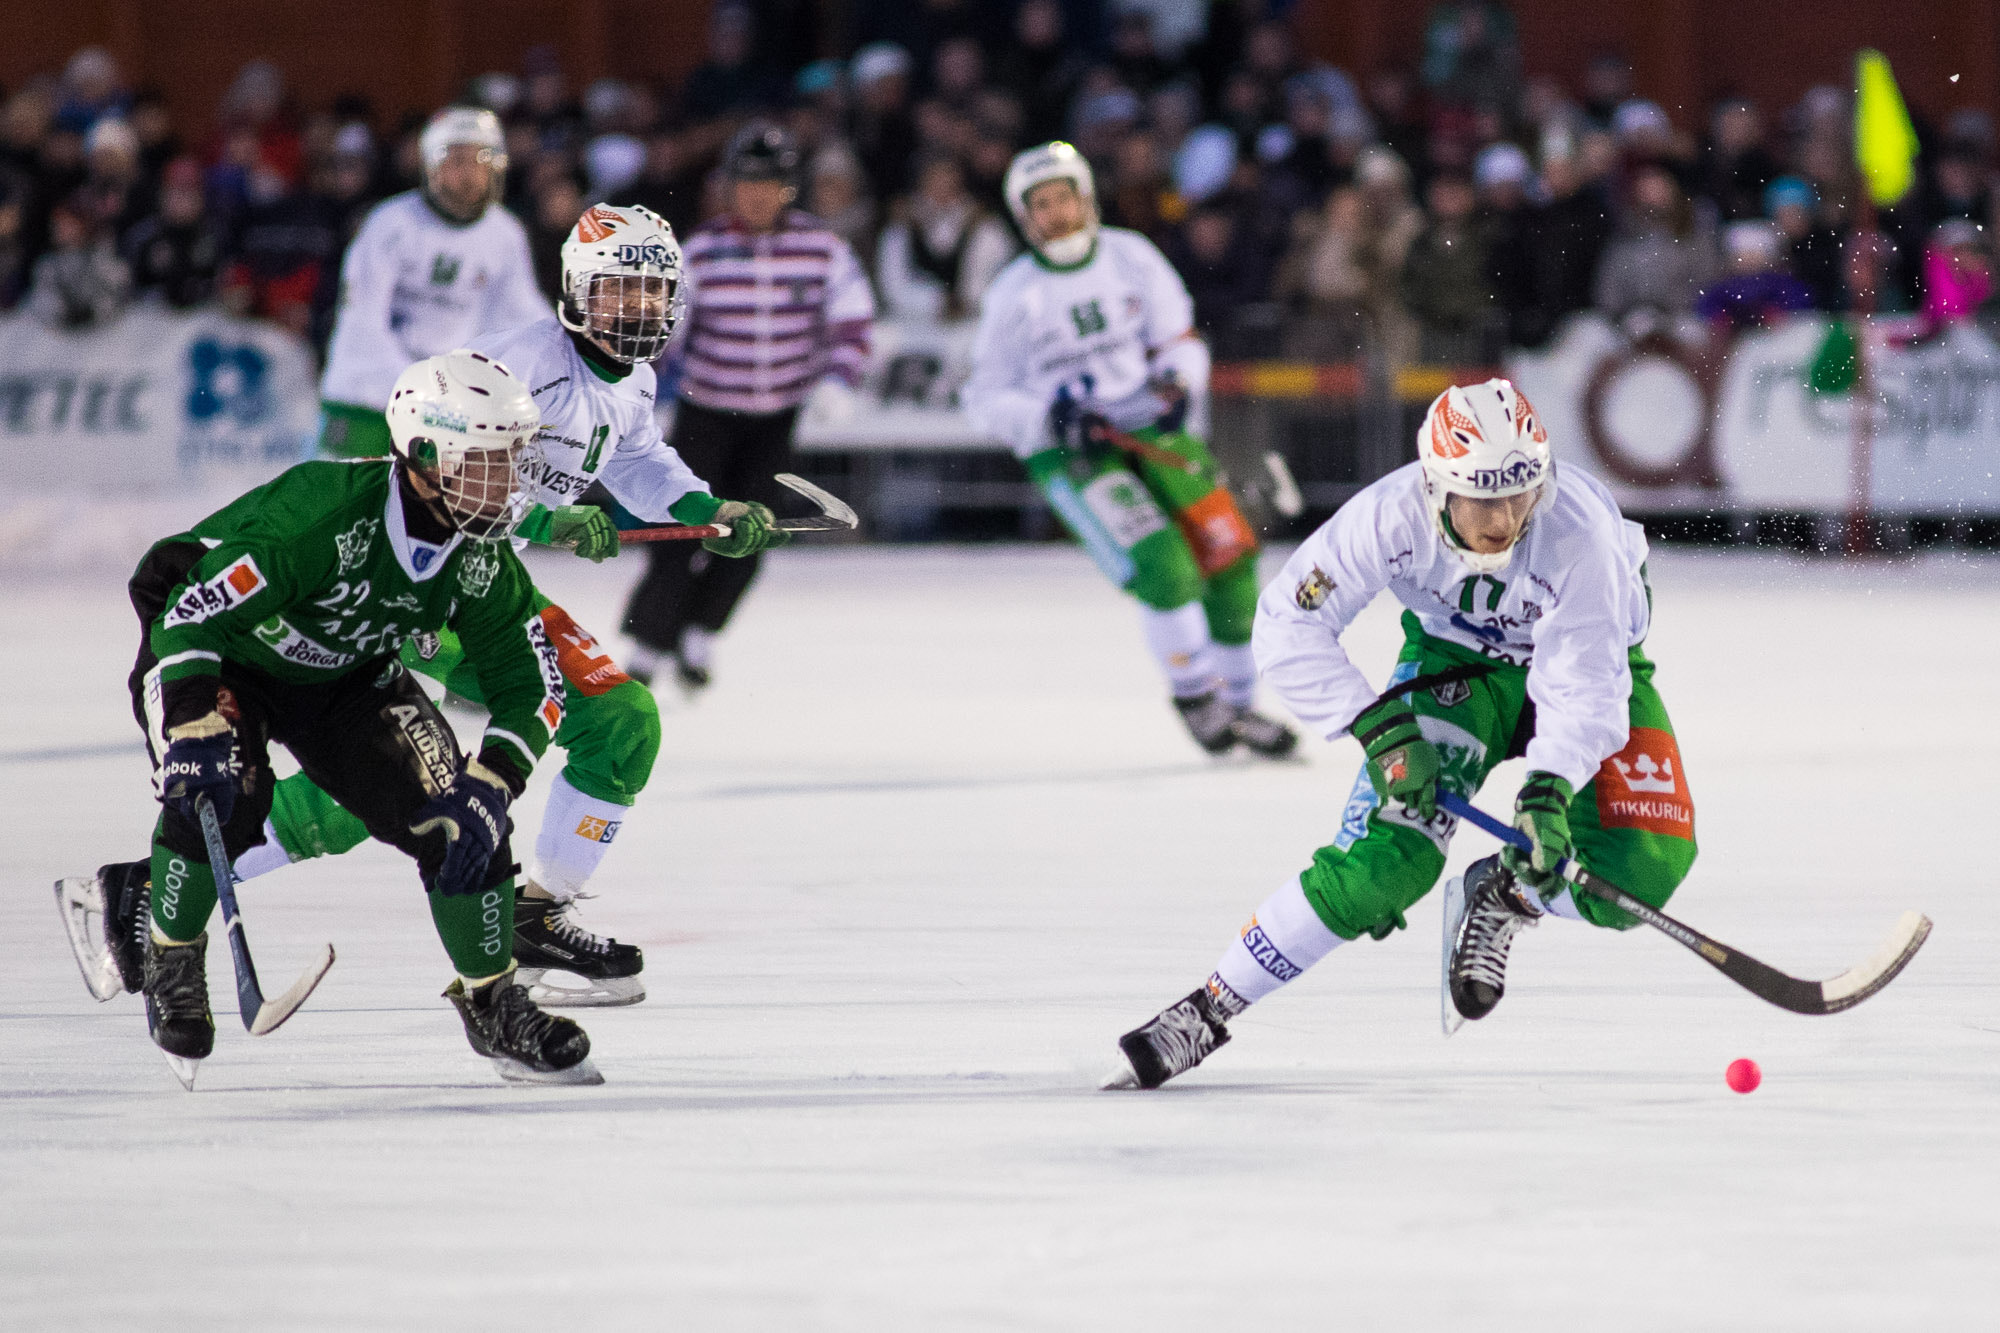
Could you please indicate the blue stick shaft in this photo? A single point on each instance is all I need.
(1466, 810)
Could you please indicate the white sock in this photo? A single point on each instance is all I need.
(1236, 668)
(697, 647)
(262, 860)
(576, 833)
(1179, 640)
(1283, 939)
(644, 661)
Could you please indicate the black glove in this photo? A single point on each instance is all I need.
(1076, 428)
(472, 814)
(200, 761)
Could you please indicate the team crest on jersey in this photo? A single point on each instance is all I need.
(235, 585)
(1313, 590)
(352, 545)
(444, 270)
(1451, 694)
(477, 572)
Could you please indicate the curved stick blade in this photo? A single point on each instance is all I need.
(1859, 982)
(836, 513)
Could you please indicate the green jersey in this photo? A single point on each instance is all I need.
(315, 574)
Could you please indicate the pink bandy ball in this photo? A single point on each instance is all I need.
(1744, 1076)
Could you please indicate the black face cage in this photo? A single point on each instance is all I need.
(630, 315)
(484, 487)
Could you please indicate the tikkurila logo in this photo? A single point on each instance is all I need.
(1642, 786)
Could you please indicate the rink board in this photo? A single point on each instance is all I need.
(929, 846)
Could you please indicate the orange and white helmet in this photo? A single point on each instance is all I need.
(621, 281)
(1485, 441)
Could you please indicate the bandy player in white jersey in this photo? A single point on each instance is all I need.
(1088, 365)
(1526, 608)
(430, 270)
(588, 368)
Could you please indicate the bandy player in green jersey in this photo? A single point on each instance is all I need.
(588, 371)
(279, 619)
(1088, 366)
(1526, 612)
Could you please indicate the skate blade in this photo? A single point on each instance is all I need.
(1454, 916)
(184, 1069)
(513, 1071)
(1121, 1079)
(80, 899)
(588, 993)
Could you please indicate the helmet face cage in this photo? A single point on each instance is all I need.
(484, 486)
(629, 312)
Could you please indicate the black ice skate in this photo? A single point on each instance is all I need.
(1178, 1039)
(177, 1016)
(1211, 720)
(691, 678)
(1495, 909)
(525, 1045)
(547, 938)
(107, 919)
(1262, 735)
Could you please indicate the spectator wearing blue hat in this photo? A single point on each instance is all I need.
(1811, 248)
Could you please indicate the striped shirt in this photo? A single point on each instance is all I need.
(770, 313)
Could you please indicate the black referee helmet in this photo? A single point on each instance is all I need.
(762, 151)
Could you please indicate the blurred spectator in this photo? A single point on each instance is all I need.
(158, 143)
(1391, 101)
(1570, 232)
(1735, 163)
(177, 252)
(1811, 249)
(1509, 232)
(1134, 57)
(1142, 193)
(111, 192)
(255, 107)
(1958, 273)
(837, 194)
(1756, 290)
(1444, 283)
(13, 243)
(958, 71)
(284, 249)
(1607, 84)
(81, 282)
(1042, 68)
(669, 183)
(545, 105)
(885, 132)
(1355, 250)
(1306, 170)
(557, 208)
(730, 80)
(92, 89)
(1472, 54)
(938, 254)
(1655, 262)
(1221, 275)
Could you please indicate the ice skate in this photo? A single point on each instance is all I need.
(1211, 720)
(177, 1014)
(548, 939)
(1181, 1037)
(106, 918)
(525, 1045)
(1263, 735)
(693, 659)
(1495, 909)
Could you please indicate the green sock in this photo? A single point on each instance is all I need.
(183, 894)
(310, 823)
(477, 929)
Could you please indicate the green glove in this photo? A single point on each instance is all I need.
(585, 529)
(752, 528)
(1542, 812)
(1401, 763)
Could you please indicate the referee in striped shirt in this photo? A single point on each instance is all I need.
(775, 302)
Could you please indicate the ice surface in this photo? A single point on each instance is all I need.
(934, 841)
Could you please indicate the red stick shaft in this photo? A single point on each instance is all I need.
(683, 532)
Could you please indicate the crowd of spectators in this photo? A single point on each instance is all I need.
(1441, 210)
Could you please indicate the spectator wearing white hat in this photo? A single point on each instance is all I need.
(1501, 178)
(885, 132)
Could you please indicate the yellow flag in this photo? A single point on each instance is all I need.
(1885, 143)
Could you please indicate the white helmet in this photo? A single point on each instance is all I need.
(464, 124)
(1054, 162)
(469, 425)
(1486, 441)
(621, 281)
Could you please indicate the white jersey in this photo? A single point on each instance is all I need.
(592, 429)
(1568, 606)
(1101, 330)
(414, 285)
